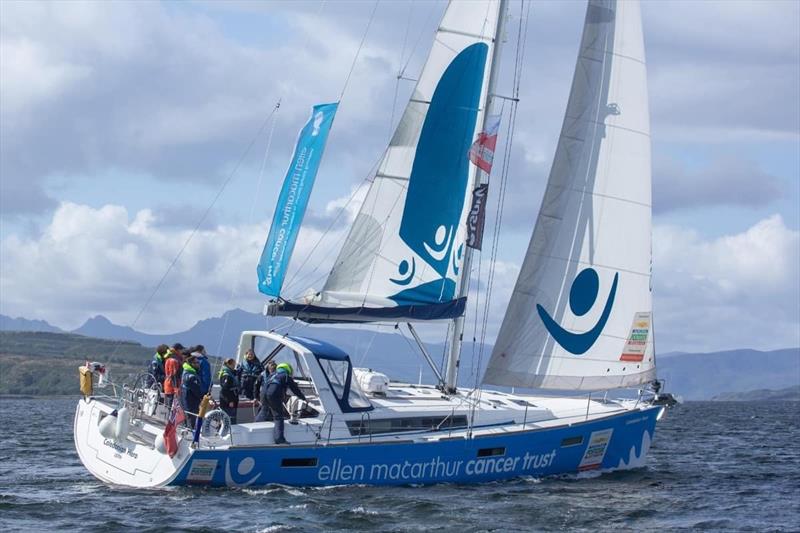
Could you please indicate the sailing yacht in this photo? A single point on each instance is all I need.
(579, 319)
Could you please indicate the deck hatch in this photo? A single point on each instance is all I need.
(491, 452)
(572, 441)
(290, 462)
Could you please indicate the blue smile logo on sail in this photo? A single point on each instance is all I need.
(582, 297)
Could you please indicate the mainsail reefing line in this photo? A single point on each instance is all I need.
(402, 260)
(580, 316)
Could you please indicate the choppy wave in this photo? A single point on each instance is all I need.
(712, 466)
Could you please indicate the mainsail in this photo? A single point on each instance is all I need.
(580, 314)
(402, 256)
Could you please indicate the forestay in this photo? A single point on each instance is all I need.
(580, 313)
(402, 256)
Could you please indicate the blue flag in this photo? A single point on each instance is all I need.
(293, 199)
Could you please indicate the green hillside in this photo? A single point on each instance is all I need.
(45, 364)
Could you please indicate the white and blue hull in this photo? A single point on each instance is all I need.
(618, 440)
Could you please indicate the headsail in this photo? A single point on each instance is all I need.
(402, 256)
(580, 313)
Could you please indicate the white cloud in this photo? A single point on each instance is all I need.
(734, 291)
(167, 91)
(105, 261)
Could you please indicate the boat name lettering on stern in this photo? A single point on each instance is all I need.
(120, 449)
(436, 468)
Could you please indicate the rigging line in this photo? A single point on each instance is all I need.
(399, 74)
(358, 52)
(419, 37)
(344, 89)
(294, 279)
(199, 223)
(369, 345)
(506, 163)
(250, 220)
(405, 40)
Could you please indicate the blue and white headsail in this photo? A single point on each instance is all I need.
(402, 257)
(293, 199)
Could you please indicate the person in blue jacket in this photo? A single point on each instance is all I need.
(264, 412)
(275, 392)
(191, 391)
(248, 373)
(199, 351)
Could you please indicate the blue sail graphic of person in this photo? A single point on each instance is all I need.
(437, 187)
(582, 296)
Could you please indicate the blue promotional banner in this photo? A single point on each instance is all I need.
(293, 200)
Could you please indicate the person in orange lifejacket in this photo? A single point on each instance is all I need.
(173, 367)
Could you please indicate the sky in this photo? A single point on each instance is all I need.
(120, 122)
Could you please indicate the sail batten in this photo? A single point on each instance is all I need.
(580, 315)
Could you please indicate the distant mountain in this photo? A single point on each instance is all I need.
(102, 328)
(699, 376)
(702, 376)
(788, 394)
(23, 324)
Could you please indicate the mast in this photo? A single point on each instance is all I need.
(457, 331)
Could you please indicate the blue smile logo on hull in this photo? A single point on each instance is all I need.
(582, 297)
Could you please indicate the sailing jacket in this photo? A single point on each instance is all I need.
(191, 391)
(277, 383)
(172, 370)
(228, 387)
(205, 371)
(250, 368)
(156, 368)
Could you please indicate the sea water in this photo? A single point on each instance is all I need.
(712, 466)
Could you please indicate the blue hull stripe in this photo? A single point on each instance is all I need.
(601, 444)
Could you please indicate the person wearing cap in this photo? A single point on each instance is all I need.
(275, 393)
(248, 373)
(191, 391)
(229, 389)
(199, 351)
(172, 373)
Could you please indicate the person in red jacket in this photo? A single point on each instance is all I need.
(173, 369)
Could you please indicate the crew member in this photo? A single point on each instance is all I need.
(248, 373)
(229, 389)
(172, 373)
(199, 351)
(156, 366)
(275, 393)
(191, 391)
(269, 368)
(264, 412)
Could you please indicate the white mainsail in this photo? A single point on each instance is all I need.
(405, 247)
(580, 316)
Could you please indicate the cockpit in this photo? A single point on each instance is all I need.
(323, 372)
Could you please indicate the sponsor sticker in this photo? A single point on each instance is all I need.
(202, 470)
(637, 339)
(596, 450)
